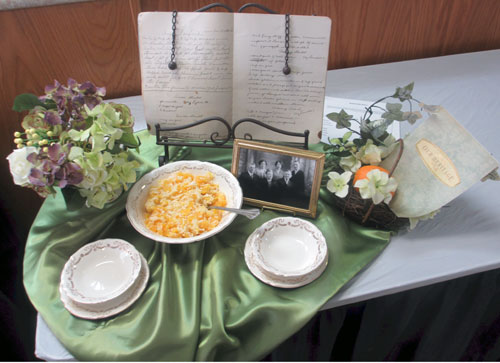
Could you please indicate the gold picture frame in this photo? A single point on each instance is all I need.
(292, 186)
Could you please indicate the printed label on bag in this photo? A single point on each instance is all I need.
(438, 163)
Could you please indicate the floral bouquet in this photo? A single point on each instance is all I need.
(362, 188)
(71, 139)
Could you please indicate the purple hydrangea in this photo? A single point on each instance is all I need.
(70, 101)
(52, 168)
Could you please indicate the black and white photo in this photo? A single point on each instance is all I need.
(278, 176)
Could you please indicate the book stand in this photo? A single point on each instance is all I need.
(216, 140)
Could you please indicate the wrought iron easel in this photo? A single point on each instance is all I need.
(162, 137)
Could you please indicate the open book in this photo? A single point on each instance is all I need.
(231, 66)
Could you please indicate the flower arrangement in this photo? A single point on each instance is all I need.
(72, 139)
(352, 171)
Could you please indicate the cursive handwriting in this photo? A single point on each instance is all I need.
(201, 57)
(202, 81)
(278, 99)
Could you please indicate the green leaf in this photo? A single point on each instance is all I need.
(379, 127)
(116, 149)
(412, 117)
(377, 132)
(380, 123)
(129, 140)
(394, 112)
(359, 142)
(342, 153)
(382, 137)
(394, 107)
(88, 122)
(50, 104)
(332, 159)
(342, 119)
(364, 127)
(26, 101)
(349, 144)
(346, 136)
(404, 93)
(493, 175)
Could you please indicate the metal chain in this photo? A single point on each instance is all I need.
(286, 68)
(173, 65)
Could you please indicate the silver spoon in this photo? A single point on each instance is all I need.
(249, 213)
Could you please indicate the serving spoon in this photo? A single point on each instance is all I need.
(249, 213)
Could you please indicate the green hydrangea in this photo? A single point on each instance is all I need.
(105, 175)
(74, 139)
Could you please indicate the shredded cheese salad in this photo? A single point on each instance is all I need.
(176, 206)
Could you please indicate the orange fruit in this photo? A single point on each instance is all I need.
(361, 173)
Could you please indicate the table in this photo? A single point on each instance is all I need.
(463, 238)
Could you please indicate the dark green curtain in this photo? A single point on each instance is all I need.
(17, 315)
(457, 320)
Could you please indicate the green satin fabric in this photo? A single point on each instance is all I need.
(201, 302)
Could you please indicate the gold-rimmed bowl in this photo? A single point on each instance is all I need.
(290, 249)
(136, 201)
(100, 274)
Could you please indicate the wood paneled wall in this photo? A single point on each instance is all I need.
(86, 41)
(97, 41)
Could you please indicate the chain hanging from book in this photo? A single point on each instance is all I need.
(224, 64)
(172, 64)
(286, 68)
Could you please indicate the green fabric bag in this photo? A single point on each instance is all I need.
(201, 301)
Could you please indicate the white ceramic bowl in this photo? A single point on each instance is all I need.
(288, 248)
(100, 273)
(282, 282)
(137, 197)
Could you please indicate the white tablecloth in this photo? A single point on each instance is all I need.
(464, 238)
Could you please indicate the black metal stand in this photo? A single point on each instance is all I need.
(255, 5)
(162, 137)
(214, 5)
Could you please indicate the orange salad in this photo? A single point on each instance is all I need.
(176, 206)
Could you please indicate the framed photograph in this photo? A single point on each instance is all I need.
(278, 177)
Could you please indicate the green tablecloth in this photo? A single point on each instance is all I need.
(201, 302)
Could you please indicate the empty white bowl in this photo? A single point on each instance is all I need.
(288, 248)
(228, 184)
(100, 273)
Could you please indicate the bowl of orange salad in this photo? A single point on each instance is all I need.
(172, 203)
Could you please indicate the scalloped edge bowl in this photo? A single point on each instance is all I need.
(100, 273)
(136, 200)
(289, 248)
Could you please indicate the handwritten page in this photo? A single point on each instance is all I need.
(357, 109)
(201, 86)
(230, 65)
(440, 161)
(291, 102)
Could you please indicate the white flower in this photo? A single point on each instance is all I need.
(350, 163)
(377, 186)
(370, 153)
(338, 183)
(20, 167)
(414, 220)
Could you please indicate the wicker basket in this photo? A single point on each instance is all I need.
(364, 212)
